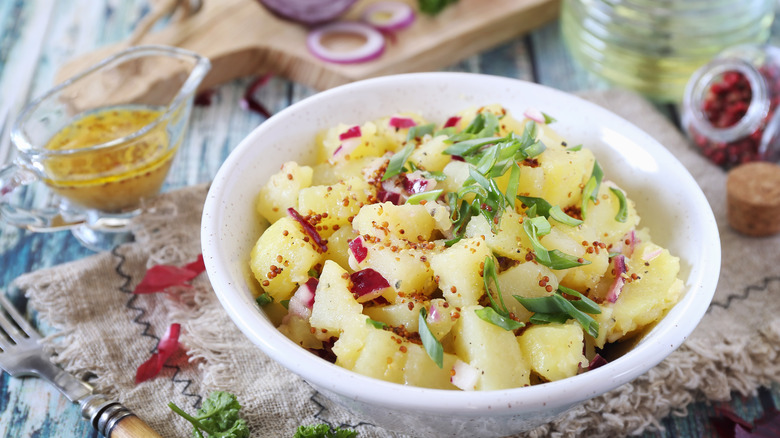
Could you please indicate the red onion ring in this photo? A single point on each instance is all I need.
(371, 49)
(309, 12)
(388, 15)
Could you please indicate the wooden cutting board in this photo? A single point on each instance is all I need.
(241, 38)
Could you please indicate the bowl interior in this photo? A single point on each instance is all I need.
(668, 200)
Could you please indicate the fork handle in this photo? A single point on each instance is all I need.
(113, 420)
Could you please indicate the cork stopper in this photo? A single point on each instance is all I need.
(753, 198)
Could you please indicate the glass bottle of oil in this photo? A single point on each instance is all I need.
(653, 46)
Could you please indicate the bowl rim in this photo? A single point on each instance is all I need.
(667, 335)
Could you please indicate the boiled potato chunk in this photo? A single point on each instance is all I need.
(527, 280)
(511, 240)
(299, 331)
(282, 258)
(492, 350)
(396, 315)
(338, 246)
(422, 371)
(459, 271)
(281, 191)
(369, 143)
(430, 154)
(383, 356)
(410, 222)
(335, 308)
(406, 269)
(554, 350)
(601, 216)
(330, 207)
(646, 299)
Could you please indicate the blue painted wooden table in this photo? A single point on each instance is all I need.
(36, 37)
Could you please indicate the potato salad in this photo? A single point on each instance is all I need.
(481, 252)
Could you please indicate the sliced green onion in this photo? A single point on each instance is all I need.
(424, 196)
(541, 224)
(397, 161)
(584, 303)
(375, 323)
(420, 131)
(513, 184)
(467, 147)
(560, 260)
(534, 149)
(542, 207)
(264, 299)
(556, 304)
(432, 345)
(488, 314)
(547, 318)
(591, 190)
(558, 214)
(622, 213)
(285, 303)
(548, 119)
(574, 148)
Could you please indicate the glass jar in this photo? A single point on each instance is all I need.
(653, 46)
(729, 106)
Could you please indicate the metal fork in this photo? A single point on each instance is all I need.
(21, 354)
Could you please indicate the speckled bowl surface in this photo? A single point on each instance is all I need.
(667, 198)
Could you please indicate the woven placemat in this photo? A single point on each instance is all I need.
(105, 332)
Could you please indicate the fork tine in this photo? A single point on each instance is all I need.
(11, 330)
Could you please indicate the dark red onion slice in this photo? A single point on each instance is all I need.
(617, 285)
(308, 12)
(250, 102)
(385, 196)
(401, 122)
(308, 229)
(372, 48)
(388, 15)
(597, 361)
(358, 249)
(452, 121)
(350, 133)
(368, 284)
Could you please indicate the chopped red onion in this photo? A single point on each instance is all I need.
(385, 196)
(616, 288)
(372, 48)
(250, 102)
(415, 182)
(534, 114)
(308, 12)
(346, 147)
(464, 376)
(433, 314)
(350, 133)
(308, 229)
(368, 284)
(597, 361)
(401, 122)
(452, 121)
(388, 15)
(359, 251)
(647, 256)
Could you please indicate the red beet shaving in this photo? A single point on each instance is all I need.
(250, 102)
(358, 249)
(160, 277)
(308, 229)
(167, 346)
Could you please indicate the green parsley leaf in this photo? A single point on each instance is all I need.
(488, 314)
(218, 417)
(323, 431)
(264, 299)
(375, 323)
(424, 196)
(622, 213)
(558, 214)
(397, 161)
(432, 345)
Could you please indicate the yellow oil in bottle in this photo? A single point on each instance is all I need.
(130, 164)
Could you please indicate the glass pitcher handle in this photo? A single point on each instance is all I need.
(50, 218)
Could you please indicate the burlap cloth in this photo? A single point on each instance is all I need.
(106, 332)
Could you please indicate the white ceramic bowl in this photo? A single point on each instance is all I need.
(667, 198)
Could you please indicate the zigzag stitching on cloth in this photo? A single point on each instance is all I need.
(745, 292)
(147, 326)
(322, 409)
